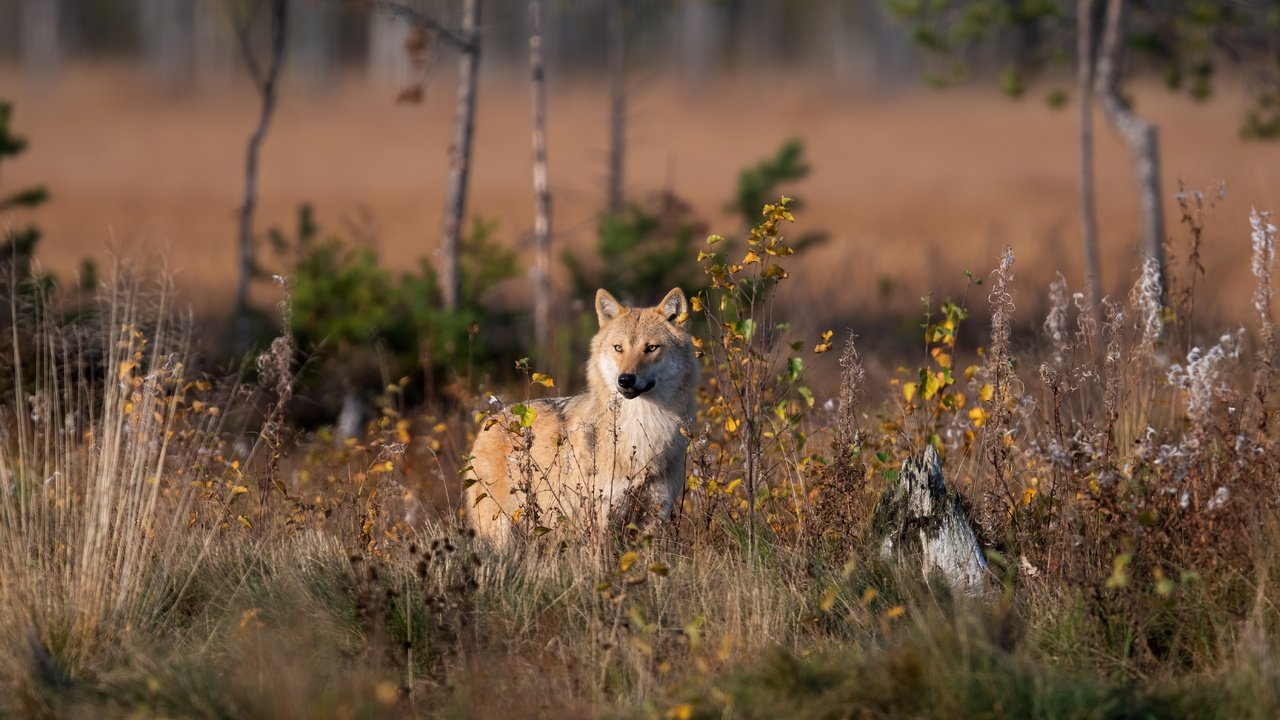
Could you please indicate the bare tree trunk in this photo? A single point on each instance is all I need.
(460, 153)
(702, 37)
(617, 104)
(388, 63)
(39, 37)
(213, 42)
(541, 193)
(266, 83)
(1088, 211)
(312, 44)
(1139, 134)
(167, 29)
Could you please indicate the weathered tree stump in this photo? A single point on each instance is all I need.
(918, 521)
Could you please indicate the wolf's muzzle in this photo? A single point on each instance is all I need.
(629, 387)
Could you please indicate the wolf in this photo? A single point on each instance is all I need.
(614, 455)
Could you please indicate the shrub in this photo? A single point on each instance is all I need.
(371, 327)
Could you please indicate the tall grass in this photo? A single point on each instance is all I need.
(99, 459)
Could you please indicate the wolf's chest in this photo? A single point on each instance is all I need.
(640, 436)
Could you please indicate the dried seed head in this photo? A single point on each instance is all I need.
(1145, 299)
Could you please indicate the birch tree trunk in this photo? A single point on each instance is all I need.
(541, 192)
(460, 153)
(312, 44)
(388, 63)
(266, 83)
(213, 42)
(703, 38)
(617, 33)
(38, 38)
(1088, 210)
(167, 30)
(1139, 134)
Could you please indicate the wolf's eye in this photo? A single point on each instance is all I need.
(650, 348)
(618, 348)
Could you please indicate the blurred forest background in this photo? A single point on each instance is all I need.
(137, 114)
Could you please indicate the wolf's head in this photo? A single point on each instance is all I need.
(642, 350)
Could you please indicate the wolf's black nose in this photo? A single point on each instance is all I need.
(626, 381)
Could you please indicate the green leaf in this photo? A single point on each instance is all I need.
(795, 366)
(526, 413)
(807, 394)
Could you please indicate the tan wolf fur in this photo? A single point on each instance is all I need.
(611, 456)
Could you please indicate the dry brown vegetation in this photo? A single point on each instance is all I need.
(173, 548)
(170, 545)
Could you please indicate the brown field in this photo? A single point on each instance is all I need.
(914, 187)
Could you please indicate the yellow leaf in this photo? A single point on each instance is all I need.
(544, 380)
(237, 489)
(933, 382)
(386, 692)
(868, 595)
(731, 424)
(627, 560)
(895, 612)
(977, 415)
(986, 392)
(829, 598)
(515, 516)
(732, 485)
(1119, 572)
(750, 257)
(1028, 494)
(683, 711)
(402, 430)
(825, 344)
(244, 521)
(970, 371)
(695, 302)
(908, 391)
(250, 618)
(126, 367)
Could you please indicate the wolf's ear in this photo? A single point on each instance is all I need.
(674, 306)
(607, 306)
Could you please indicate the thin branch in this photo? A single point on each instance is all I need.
(415, 16)
(541, 192)
(242, 27)
(1139, 134)
(1085, 37)
(617, 34)
(266, 85)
